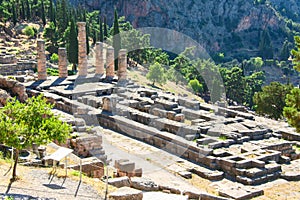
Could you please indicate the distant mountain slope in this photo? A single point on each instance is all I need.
(288, 8)
(229, 26)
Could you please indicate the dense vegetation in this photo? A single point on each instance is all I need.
(242, 78)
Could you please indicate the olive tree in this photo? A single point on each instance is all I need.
(23, 124)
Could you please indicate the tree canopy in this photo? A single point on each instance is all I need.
(292, 109)
(271, 100)
(23, 124)
(156, 74)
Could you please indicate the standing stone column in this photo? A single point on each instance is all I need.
(99, 59)
(110, 64)
(41, 60)
(82, 57)
(122, 71)
(62, 63)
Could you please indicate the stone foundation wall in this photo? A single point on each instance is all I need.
(12, 69)
(15, 88)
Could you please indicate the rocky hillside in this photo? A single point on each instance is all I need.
(229, 26)
(289, 9)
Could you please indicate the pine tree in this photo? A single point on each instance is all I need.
(43, 16)
(73, 45)
(116, 38)
(101, 37)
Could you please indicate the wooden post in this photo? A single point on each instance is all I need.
(80, 169)
(66, 159)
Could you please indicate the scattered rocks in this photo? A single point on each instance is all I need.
(240, 193)
(144, 184)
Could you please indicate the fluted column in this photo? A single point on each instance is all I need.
(122, 71)
(82, 57)
(41, 60)
(62, 63)
(110, 64)
(99, 59)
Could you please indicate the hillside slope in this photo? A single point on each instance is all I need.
(229, 26)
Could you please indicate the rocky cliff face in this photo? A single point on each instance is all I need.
(229, 26)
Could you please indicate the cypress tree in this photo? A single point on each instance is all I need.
(14, 15)
(62, 16)
(265, 45)
(28, 14)
(285, 52)
(94, 36)
(43, 13)
(116, 38)
(51, 11)
(73, 45)
(22, 12)
(87, 38)
(105, 29)
(101, 37)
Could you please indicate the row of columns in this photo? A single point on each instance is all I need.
(99, 64)
(82, 59)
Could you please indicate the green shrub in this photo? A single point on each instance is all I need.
(54, 58)
(196, 86)
(52, 72)
(29, 31)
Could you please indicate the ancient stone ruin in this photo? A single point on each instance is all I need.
(223, 143)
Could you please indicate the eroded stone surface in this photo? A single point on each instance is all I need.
(126, 193)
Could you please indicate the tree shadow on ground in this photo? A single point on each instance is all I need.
(154, 86)
(20, 196)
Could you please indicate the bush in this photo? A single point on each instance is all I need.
(54, 58)
(196, 86)
(29, 31)
(52, 72)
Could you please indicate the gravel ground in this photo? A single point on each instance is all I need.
(36, 184)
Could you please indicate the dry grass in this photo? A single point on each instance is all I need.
(284, 191)
(139, 76)
(94, 182)
(97, 184)
(202, 184)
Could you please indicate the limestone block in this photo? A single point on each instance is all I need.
(119, 182)
(126, 166)
(126, 193)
